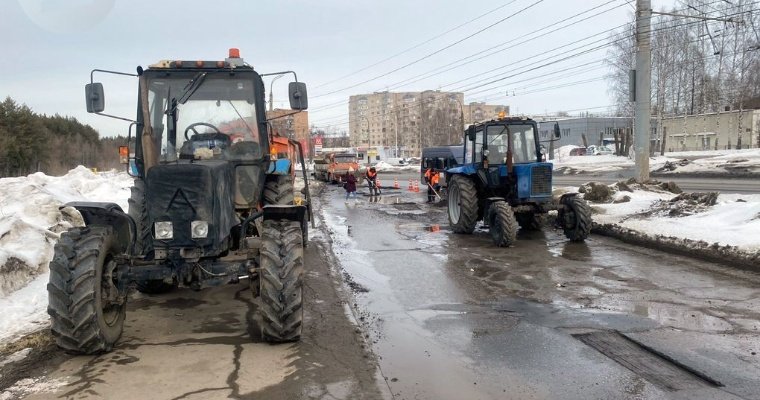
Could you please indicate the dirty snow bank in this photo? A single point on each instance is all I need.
(711, 224)
(722, 162)
(30, 224)
(718, 162)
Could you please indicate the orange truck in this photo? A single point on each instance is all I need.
(333, 167)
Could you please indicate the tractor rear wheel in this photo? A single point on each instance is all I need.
(529, 221)
(86, 308)
(279, 308)
(278, 190)
(575, 219)
(462, 204)
(502, 224)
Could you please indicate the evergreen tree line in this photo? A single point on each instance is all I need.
(31, 142)
(698, 65)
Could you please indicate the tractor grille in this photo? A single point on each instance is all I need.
(541, 180)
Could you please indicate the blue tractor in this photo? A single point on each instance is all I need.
(505, 183)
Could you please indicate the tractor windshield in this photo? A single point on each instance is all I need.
(215, 116)
(523, 143)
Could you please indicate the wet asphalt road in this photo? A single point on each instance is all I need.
(452, 317)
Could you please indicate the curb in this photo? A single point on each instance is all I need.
(726, 255)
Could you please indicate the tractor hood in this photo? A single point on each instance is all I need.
(187, 192)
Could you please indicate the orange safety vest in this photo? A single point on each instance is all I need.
(432, 176)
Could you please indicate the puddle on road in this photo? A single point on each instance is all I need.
(420, 227)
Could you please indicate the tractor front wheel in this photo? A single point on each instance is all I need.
(279, 299)
(502, 224)
(86, 307)
(575, 218)
(462, 204)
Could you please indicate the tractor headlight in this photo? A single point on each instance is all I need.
(164, 230)
(486, 152)
(199, 229)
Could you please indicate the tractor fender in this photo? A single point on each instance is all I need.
(108, 214)
(468, 169)
(285, 211)
(566, 199)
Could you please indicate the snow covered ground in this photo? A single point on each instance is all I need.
(691, 162)
(733, 219)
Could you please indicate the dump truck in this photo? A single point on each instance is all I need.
(333, 167)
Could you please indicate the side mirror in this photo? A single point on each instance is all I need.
(297, 93)
(557, 132)
(471, 133)
(94, 97)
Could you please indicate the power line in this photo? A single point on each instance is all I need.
(436, 51)
(625, 37)
(416, 46)
(469, 59)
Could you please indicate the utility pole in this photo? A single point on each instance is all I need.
(643, 89)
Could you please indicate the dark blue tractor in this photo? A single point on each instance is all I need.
(505, 182)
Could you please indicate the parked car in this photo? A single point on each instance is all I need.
(578, 151)
(594, 150)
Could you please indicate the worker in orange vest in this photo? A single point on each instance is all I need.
(371, 178)
(431, 178)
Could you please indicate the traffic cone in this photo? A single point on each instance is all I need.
(395, 183)
(411, 186)
(416, 187)
(378, 183)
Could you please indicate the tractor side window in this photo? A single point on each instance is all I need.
(478, 147)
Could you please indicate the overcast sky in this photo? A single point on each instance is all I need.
(50, 46)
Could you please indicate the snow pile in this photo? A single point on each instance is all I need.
(30, 224)
(737, 161)
(721, 219)
(383, 166)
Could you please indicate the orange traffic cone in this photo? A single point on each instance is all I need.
(378, 183)
(416, 186)
(395, 183)
(411, 186)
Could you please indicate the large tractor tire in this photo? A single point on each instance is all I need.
(138, 212)
(279, 308)
(86, 309)
(575, 219)
(529, 221)
(462, 204)
(502, 224)
(278, 189)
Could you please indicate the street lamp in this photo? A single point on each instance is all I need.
(271, 96)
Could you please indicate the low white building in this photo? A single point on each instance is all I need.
(712, 131)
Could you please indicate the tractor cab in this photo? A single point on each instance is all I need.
(505, 157)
